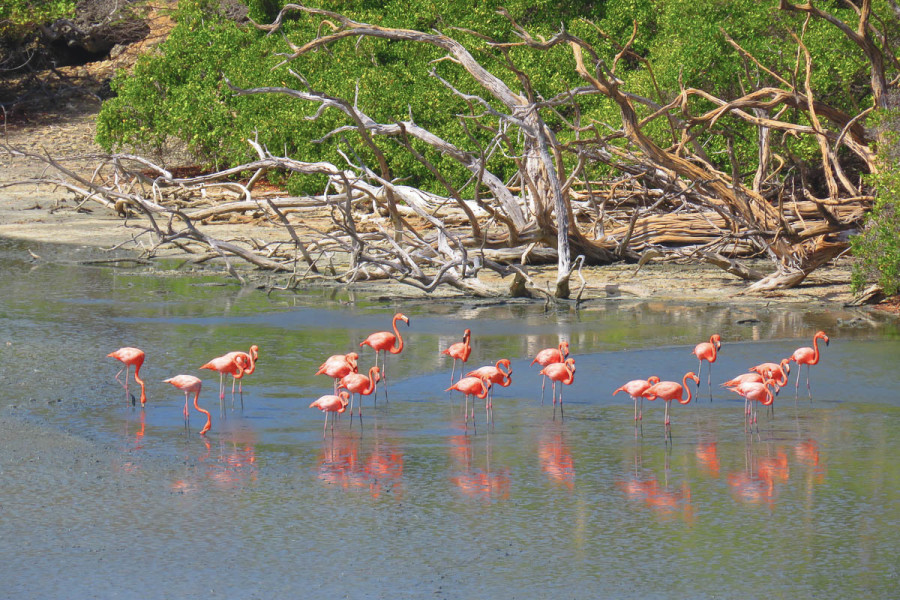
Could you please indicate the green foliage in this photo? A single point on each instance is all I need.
(19, 16)
(179, 93)
(877, 248)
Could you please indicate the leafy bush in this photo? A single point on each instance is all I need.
(179, 93)
(877, 248)
(18, 16)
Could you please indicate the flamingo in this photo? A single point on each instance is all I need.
(459, 350)
(635, 388)
(743, 378)
(130, 356)
(562, 372)
(249, 357)
(226, 364)
(189, 383)
(755, 391)
(670, 390)
(808, 356)
(472, 386)
(496, 376)
(362, 385)
(779, 372)
(549, 356)
(333, 404)
(385, 341)
(707, 351)
(338, 366)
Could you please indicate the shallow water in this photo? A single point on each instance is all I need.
(415, 502)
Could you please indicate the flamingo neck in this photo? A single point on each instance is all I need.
(253, 356)
(399, 347)
(204, 411)
(371, 387)
(684, 384)
(815, 359)
(137, 377)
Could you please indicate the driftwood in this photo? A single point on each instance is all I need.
(667, 199)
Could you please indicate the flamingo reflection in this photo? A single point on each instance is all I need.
(708, 457)
(483, 484)
(232, 465)
(340, 464)
(556, 459)
(756, 483)
(643, 487)
(134, 442)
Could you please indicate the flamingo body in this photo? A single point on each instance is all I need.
(635, 388)
(670, 390)
(131, 356)
(808, 356)
(331, 404)
(707, 351)
(459, 351)
(360, 384)
(190, 384)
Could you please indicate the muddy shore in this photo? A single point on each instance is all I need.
(43, 214)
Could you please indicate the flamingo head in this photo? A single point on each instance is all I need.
(786, 365)
(716, 340)
(564, 349)
(653, 380)
(254, 351)
(821, 336)
(570, 363)
(401, 317)
(467, 335)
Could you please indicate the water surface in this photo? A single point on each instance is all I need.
(416, 502)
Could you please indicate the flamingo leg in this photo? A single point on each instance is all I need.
(543, 385)
(709, 380)
(384, 375)
(187, 416)
(222, 393)
(453, 371)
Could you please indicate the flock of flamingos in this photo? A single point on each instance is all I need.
(760, 384)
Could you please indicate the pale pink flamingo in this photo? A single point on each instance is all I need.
(670, 390)
(359, 384)
(777, 371)
(496, 376)
(755, 391)
(384, 342)
(743, 378)
(807, 356)
(249, 359)
(130, 356)
(635, 388)
(549, 356)
(472, 386)
(338, 366)
(331, 404)
(564, 373)
(707, 351)
(187, 384)
(459, 351)
(233, 366)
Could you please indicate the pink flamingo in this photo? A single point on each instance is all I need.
(384, 342)
(564, 373)
(331, 404)
(338, 366)
(233, 366)
(707, 351)
(670, 390)
(635, 388)
(779, 372)
(743, 378)
(249, 358)
(187, 384)
(808, 356)
(549, 356)
(496, 376)
(361, 385)
(459, 350)
(472, 386)
(130, 356)
(755, 391)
